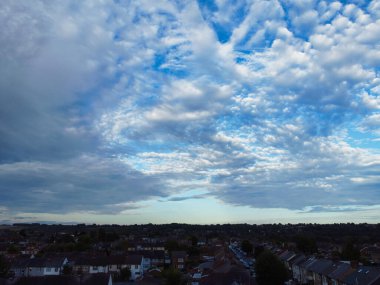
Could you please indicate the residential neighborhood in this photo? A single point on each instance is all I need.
(188, 254)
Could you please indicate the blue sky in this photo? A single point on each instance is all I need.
(190, 111)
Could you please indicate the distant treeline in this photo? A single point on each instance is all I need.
(277, 233)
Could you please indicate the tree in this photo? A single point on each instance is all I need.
(23, 233)
(102, 235)
(306, 244)
(84, 243)
(125, 274)
(67, 270)
(173, 277)
(4, 267)
(270, 270)
(246, 246)
(350, 252)
(171, 245)
(258, 250)
(13, 249)
(194, 240)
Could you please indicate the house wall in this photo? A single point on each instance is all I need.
(157, 262)
(326, 281)
(35, 271)
(317, 279)
(52, 271)
(303, 275)
(136, 271)
(81, 268)
(115, 267)
(98, 269)
(158, 248)
(296, 273)
(19, 272)
(179, 263)
(146, 263)
(306, 277)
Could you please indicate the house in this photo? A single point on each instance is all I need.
(19, 266)
(296, 270)
(45, 280)
(325, 273)
(109, 264)
(141, 246)
(286, 257)
(150, 280)
(115, 263)
(306, 276)
(178, 259)
(372, 253)
(219, 254)
(337, 276)
(158, 247)
(96, 279)
(157, 258)
(91, 264)
(135, 265)
(28, 249)
(363, 275)
(234, 276)
(38, 266)
(152, 259)
(318, 269)
(93, 279)
(196, 278)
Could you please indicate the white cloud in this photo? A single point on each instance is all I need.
(372, 121)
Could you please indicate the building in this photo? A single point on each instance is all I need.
(178, 259)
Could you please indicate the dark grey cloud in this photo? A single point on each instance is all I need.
(83, 183)
(56, 62)
(183, 198)
(43, 77)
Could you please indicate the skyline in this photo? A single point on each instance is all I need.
(183, 111)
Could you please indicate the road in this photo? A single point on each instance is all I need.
(244, 262)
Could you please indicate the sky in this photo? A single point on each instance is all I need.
(129, 112)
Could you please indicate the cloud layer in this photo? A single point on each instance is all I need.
(267, 104)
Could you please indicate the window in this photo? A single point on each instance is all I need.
(95, 268)
(48, 269)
